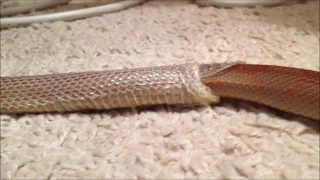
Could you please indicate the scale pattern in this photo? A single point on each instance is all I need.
(288, 89)
(178, 84)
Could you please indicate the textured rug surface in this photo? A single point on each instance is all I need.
(230, 140)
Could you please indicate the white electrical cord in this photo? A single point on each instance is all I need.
(69, 15)
(239, 3)
(31, 7)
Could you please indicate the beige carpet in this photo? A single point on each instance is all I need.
(231, 140)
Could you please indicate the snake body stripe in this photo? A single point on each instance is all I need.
(292, 90)
(288, 89)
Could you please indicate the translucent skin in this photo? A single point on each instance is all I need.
(292, 90)
(67, 92)
(288, 89)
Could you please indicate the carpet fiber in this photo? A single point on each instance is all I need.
(230, 140)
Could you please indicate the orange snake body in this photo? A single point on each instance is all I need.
(288, 89)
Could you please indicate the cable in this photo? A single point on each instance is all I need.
(28, 8)
(69, 15)
(238, 3)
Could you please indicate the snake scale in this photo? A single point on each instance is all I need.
(288, 89)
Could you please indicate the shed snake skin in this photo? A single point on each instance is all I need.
(288, 89)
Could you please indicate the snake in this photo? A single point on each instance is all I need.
(287, 89)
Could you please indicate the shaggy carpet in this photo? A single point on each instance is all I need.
(230, 140)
